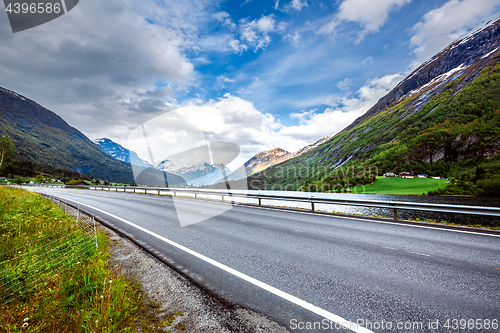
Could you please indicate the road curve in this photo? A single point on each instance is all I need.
(300, 268)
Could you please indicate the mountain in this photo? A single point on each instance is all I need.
(268, 158)
(120, 153)
(197, 174)
(442, 119)
(260, 162)
(42, 137)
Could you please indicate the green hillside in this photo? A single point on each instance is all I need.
(44, 139)
(439, 130)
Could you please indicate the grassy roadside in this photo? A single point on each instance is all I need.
(76, 293)
(397, 185)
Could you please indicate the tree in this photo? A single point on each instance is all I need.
(39, 179)
(7, 149)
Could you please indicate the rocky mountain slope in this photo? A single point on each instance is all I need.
(42, 137)
(121, 153)
(445, 115)
(196, 173)
(268, 158)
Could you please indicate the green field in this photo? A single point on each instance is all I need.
(397, 185)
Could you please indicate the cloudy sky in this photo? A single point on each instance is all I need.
(261, 74)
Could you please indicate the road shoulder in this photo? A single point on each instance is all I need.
(184, 305)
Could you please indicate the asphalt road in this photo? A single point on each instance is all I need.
(300, 268)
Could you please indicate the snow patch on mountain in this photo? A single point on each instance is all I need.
(440, 79)
(490, 53)
(196, 173)
(480, 27)
(121, 153)
(268, 158)
(10, 92)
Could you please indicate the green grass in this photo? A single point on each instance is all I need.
(78, 294)
(397, 185)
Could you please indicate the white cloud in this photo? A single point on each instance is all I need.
(368, 61)
(294, 39)
(229, 119)
(245, 35)
(303, 116)
(256, 33)
(345, 85)
(266, 23)
(342, 111)
(441, 26)
(97, 66)
(225, 79)
(237, 46)
(225, 19)
(370, 14)
(295, 5)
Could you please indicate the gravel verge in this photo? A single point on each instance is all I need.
(187, 306)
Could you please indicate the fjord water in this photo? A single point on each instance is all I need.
(402, 214)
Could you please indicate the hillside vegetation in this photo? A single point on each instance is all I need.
(73, 291)
(448, 131)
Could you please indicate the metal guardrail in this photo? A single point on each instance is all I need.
(394, 205)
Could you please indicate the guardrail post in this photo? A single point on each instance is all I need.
(260, 202)
(145, 191)
(134, 189)
(158, 192)
(223, 197)
(195, 195)
(395, 213)
(116, 189)
(174, 194)
(312, 206)
(95, 233)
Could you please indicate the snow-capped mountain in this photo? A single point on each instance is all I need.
(479, 45)
(196, 173)
(121, 153)
(268, 158)
(311, 146)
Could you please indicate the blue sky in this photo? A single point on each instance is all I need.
(262, 74)
(300, 68)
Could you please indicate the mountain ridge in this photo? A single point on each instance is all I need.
(446, 60)
(267, 158)
(121, 153)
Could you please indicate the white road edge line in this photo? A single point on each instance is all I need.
(297, 301)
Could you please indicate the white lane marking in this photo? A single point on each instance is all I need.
(297, 301)
(420, 254)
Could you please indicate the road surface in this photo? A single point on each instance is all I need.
(304, 270)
